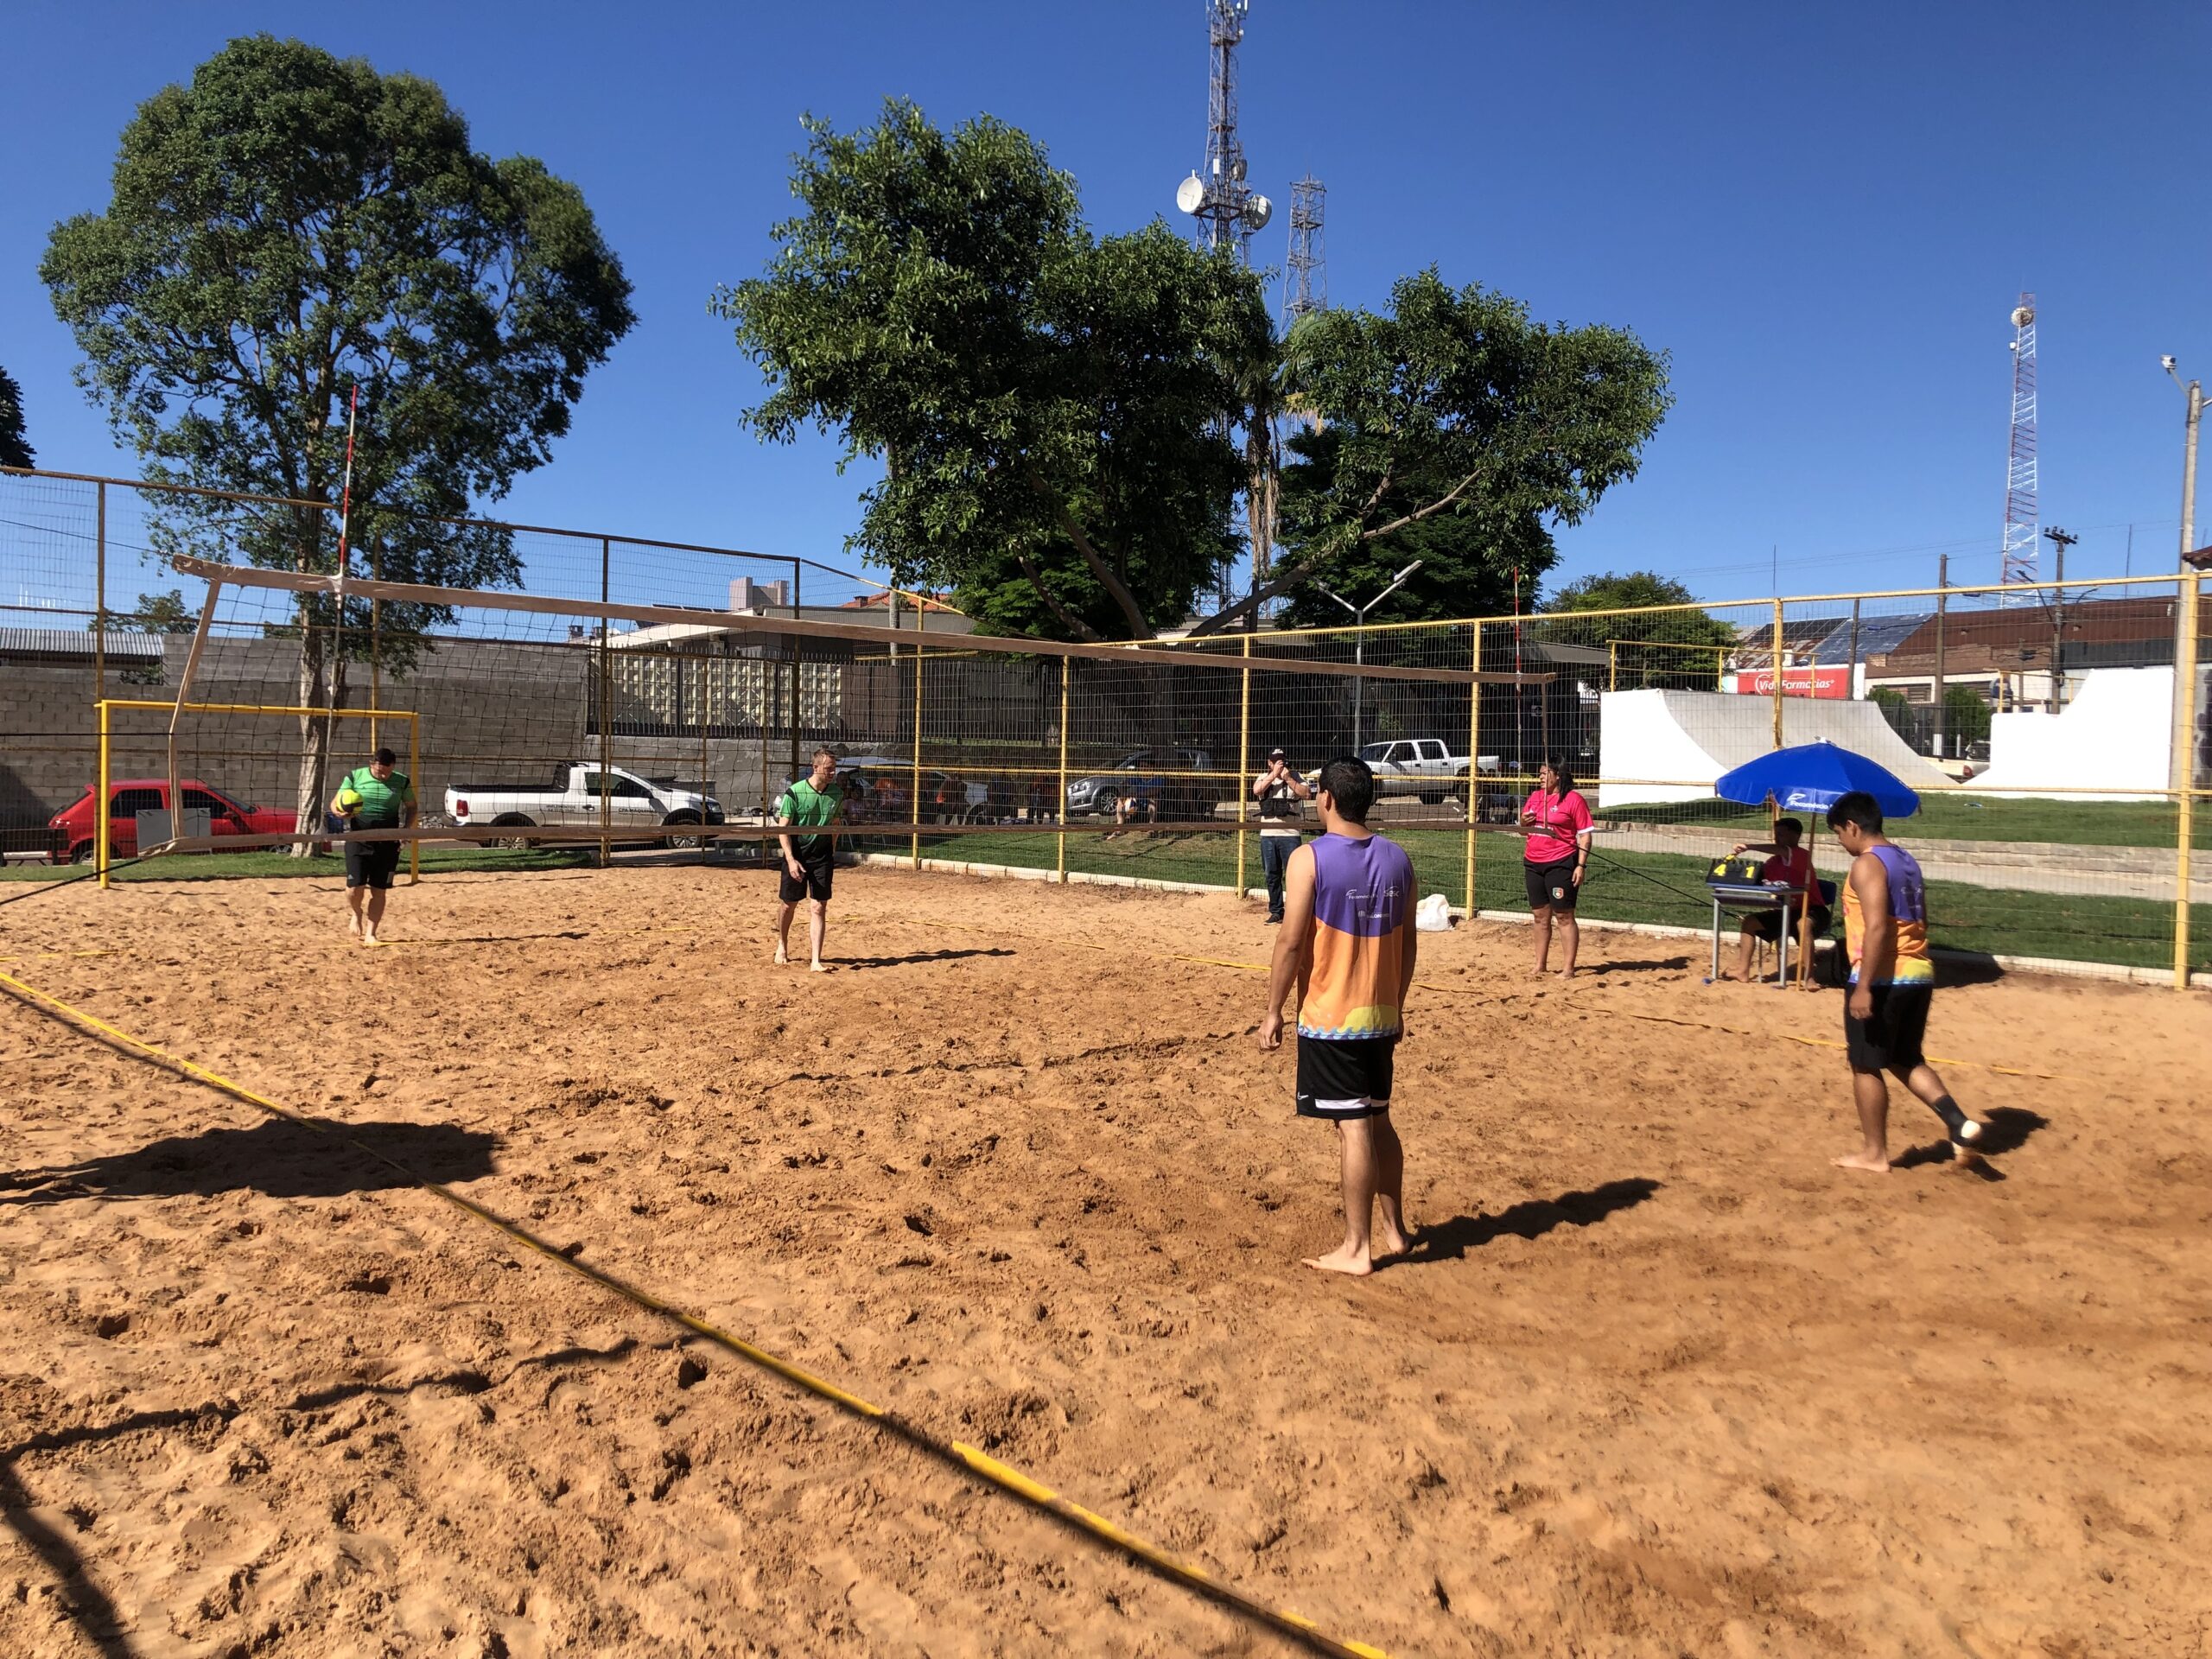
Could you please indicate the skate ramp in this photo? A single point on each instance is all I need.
(2116, 733)
(1671, 745)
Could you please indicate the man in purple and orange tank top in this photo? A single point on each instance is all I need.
(1347, 945)
(1893, 983)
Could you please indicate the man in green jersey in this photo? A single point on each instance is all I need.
(376, 797)
(810, 860)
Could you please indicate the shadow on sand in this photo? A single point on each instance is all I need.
(2005, 1128)
(1450, 1241)
(277, 1157)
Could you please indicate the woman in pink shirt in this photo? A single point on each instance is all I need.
(1557, 819)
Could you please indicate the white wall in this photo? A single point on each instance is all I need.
(2115, 736)
(1640, 735)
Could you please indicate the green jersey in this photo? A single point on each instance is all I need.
(376, 804)
(803, 805)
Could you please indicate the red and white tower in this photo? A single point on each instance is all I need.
(2021, 527)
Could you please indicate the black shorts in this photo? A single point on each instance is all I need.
(1551, 884)
(1767, 924)
(1347, 1079)
(372, 863)
(819, 868)
(1890, 1040)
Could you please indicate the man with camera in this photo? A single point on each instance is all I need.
(1279, 790)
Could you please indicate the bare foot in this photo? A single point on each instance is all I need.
(1392, 1244)
(1539, 972)
(1342, 1259)
(1876, 1164)
(783, 957)
(371, 939)
(1566, 972)
(817, 968)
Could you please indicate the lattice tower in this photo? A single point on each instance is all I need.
(2021, 514)
(1219, 196)
(1307, 282)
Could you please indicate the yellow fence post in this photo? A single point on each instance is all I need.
(2185, 750)
(1474, 766)
(606, 707)
(414, 777)
(1060, 811)
(1778, 673)
(1243, 760)
(101, 810)
(915, 851)
(1612, 665)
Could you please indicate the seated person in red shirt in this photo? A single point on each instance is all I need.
(1790, 862)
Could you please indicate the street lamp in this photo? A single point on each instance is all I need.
(1359, 637)
(2185, 709)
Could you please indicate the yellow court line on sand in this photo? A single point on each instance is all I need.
(1627, 1014)
(988, 1469)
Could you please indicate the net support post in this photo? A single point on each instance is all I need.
(1243, 761)
(606, 701)
(1474, 764)
(914, 807)
(1060, 807)
(414, 777)
(100, 809)
(1778, 673)
(2188, 644)
(99, 597)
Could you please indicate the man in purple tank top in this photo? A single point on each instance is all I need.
(1347, 945)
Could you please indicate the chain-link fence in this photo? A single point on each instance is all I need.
(2052, 734)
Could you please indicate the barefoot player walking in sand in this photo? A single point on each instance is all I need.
(813, 803)
(1892, 982)
(1347, 944)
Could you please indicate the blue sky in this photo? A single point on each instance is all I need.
(1823, 214)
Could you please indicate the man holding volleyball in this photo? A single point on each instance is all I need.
(376, 797)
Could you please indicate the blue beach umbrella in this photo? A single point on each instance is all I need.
(1812, 776)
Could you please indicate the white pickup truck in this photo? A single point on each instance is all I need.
(637, 808)
(1421, 766)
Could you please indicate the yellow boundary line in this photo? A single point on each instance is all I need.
(984, 1467)
(1627, 1014)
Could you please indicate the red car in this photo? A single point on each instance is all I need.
(76, 825)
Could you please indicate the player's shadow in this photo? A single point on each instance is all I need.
(2005, 1129)
(1450, 1241)
(913, 958)
(1646, 965)
(276, 1157)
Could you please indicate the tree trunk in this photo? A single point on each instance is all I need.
(321, 665)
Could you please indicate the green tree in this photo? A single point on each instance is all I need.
(1454, 403)
(1048, 405)
(15, 448)
(291, 225)
(1467, 558)
(1611, 592)
(157, 613)
(1966, 716)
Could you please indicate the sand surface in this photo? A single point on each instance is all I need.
(1656, 1380)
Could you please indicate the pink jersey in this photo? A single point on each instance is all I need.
(1560, 818)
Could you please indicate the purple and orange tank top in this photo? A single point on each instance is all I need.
(1909, 906)
(1363, 903)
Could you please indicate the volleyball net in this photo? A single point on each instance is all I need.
(529, 721)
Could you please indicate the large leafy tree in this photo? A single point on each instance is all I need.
(15, 448)
(1624, 592)
(1454, 403)
(1048, 405)
(291, 225)
(1468, 556)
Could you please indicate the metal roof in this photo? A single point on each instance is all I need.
(66, 642)
(1877, 635)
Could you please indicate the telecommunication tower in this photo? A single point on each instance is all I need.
(1305, 282)
(1227, 208)
(2020, 512)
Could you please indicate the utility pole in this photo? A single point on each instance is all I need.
(2060, 541)
(1943, 593)
(2183, 775)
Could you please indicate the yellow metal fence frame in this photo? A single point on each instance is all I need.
(103, 860)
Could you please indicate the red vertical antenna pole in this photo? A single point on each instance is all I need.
(346, 495)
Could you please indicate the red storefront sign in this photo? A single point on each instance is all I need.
(1808, 682)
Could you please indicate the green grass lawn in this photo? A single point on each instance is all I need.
(1961, 817)
(1649, 888)
(217, 867)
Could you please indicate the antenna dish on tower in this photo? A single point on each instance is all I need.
(1258, 210)
(1190, 195)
